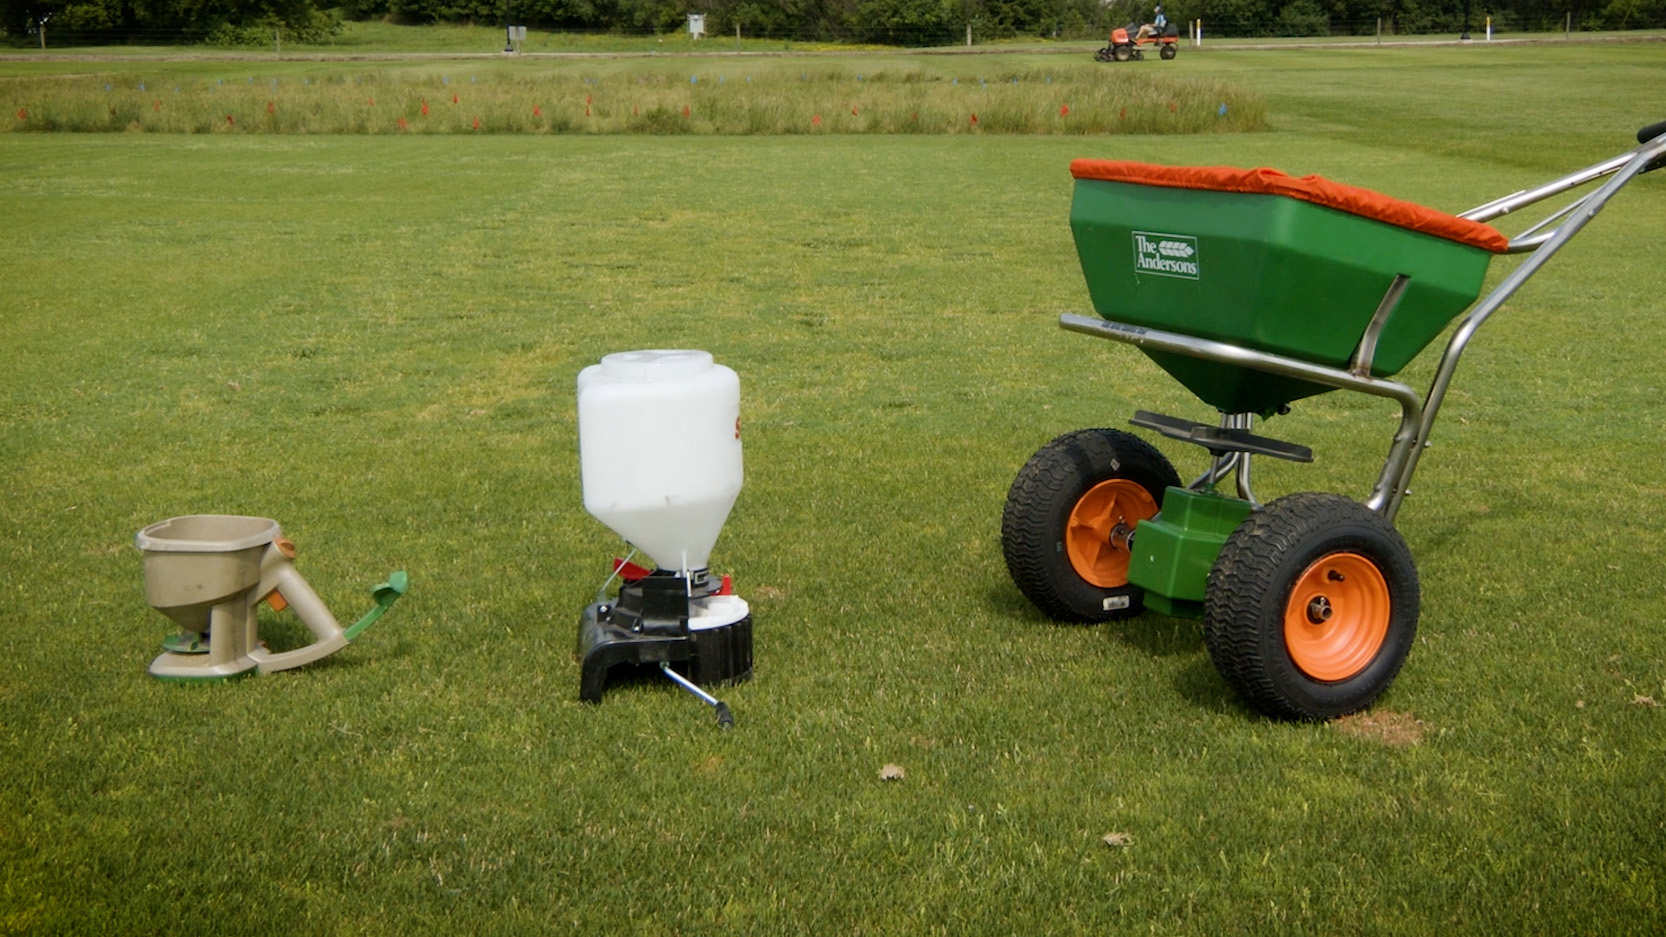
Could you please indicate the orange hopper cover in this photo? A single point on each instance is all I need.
(1315, 189)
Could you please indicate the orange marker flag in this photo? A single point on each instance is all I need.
(271, 108)
(537, 111)
(815, 121)
(425, 108)
(477, 123)
(685, 110)
(1064, 110)
(22, 113)
(230, 121)
(403, 125)
(974, 120)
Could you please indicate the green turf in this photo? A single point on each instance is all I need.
(373, 339)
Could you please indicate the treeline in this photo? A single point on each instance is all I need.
(934, 22)
(217, 21)
(892, 22)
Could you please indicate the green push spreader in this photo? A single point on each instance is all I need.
(1255, 290)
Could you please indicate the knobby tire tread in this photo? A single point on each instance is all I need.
(1039, 503)
(1249, 586)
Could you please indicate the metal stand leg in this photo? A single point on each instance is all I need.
(724, 717)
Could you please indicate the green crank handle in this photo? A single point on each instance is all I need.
(385, 593)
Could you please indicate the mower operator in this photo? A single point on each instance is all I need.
(1153, 28)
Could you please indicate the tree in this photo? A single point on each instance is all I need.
(905, 22)
(115, 20)
(1303, 18)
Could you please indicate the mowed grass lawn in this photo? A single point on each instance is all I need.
(374, 339)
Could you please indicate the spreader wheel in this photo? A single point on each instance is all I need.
(1122, 53)
(1311, 607)
(1069, 518)
(1168, 51)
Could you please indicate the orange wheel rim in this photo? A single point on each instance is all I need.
(1337, 617)
(1096, 536)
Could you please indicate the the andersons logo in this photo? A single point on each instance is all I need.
(1168, 255)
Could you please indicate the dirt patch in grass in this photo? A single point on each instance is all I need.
(1396, 730)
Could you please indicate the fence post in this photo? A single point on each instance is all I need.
(1567, 27)
(968, 35)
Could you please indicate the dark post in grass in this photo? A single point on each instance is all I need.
(508, 37)
(1465, 34)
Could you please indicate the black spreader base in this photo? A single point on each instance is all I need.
(649, 625)
(1219, 440)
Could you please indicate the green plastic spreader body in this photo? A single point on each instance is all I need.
(1264, 272)
(1172, 553)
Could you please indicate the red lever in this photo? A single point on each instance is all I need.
(630, 572)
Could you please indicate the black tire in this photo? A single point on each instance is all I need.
(1103, 55)
(1122, 53)
(1168, 51)
(1053, 487)
(1311, 607)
